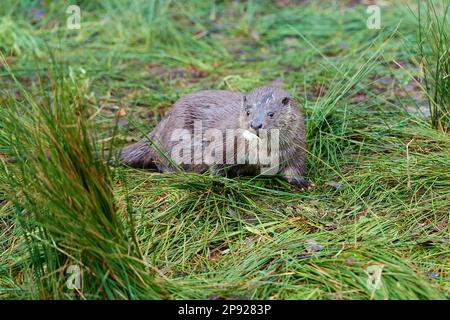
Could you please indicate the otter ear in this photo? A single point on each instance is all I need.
(285, 100)
(245, 99)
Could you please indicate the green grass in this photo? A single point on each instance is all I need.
(380, 169)
(434, 53)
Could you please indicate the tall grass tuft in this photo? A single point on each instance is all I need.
(62, 192)
(434, 51)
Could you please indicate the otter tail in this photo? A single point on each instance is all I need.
(138, 155)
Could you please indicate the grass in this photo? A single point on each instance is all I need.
(62, 197)
(434, 53)
(381, 196)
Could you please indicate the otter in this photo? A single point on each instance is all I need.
(259, 116)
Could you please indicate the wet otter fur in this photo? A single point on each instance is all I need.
(261, 109)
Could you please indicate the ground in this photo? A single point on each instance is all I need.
(375, 224)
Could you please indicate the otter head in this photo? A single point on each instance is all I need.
(265, 108)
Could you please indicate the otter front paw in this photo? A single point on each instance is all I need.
(300, 183)
(216, 171)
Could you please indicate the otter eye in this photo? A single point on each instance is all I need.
(248, 113)
(270, 114)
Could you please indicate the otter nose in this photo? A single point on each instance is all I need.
(256, 126)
